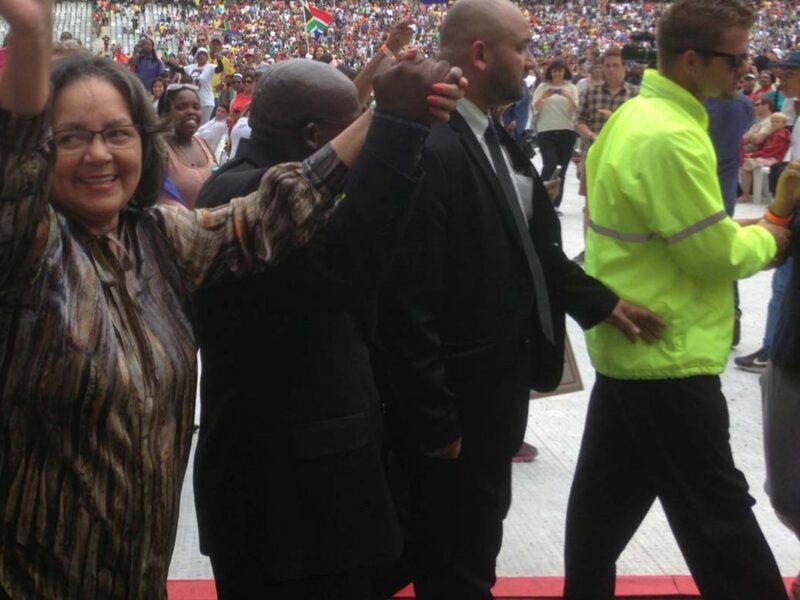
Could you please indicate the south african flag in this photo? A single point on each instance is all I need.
(317, 20)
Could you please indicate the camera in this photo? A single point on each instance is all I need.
(641, 49)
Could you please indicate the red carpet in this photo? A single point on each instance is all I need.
(507, 587)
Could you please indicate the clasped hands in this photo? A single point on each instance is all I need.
(423, 90)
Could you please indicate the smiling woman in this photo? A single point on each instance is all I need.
(97, 360)
(97, 348)
(190, 160)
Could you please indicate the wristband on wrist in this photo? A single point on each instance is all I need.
(771, 217)
(386, 51)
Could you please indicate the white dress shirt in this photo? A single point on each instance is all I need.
(478, 122)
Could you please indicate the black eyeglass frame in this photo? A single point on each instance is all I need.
(87, 141)
(735, 61)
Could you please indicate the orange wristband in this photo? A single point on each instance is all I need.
(776, 220)
(386, 51)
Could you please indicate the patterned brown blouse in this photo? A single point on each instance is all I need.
(97, 367)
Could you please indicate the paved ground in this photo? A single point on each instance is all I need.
(533, 543)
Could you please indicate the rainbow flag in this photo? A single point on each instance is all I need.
(317, 20)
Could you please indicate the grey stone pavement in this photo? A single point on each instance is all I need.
(533, 542)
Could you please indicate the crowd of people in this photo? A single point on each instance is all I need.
(375, 283)
(277, 29)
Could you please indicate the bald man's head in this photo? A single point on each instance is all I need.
(470, 20)
(489, 40)
(295, 92)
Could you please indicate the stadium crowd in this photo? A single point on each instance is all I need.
(277, 29)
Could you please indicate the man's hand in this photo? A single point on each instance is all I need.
(553, 187)
(787, 194)
(781, 235)
(634, 322)
(449, 452)
(605, 112)
(399, 36)
(423, 90)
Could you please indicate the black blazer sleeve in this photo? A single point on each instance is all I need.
(411, 304)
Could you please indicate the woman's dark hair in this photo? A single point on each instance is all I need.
(768, 102)
(158, 80)
(772, 77)
(557, 64)
(165, 102)
(79, 67)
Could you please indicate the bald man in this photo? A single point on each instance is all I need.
(473, 316)
(292, 502)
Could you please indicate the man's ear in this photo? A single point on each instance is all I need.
(310, 136)
(478, 52)
(691, 61)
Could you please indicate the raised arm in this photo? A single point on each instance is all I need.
(399, 37)
(26, 221)
(25, 85)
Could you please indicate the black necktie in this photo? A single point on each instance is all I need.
(534, 264)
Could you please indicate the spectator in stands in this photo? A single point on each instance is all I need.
(240, 131)
(243, 97)
(190, 161)
(773, 150)
(216, 130)
(748, 86)
(218, 58)
(203, 73)
(156, 91)
(767, 88)
(758, 132)
(106, 51)
(147, 65)
(594, 78)
(555, 104)
(596, 108)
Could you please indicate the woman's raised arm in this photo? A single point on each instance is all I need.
(25, 84)
(27, 223)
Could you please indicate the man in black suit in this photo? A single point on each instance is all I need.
(291, 497)
(473, 316)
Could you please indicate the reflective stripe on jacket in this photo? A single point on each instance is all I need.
(659, 235)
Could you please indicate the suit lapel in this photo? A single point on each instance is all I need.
(479, 159)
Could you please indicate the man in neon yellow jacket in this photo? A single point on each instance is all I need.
(657, 424)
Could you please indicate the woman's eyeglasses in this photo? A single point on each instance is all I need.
(78, 140)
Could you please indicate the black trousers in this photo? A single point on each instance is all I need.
(556, 149)
(665, 439)
(239, 576)
(452, 511)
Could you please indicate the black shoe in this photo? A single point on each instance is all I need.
(755, 362)
(578, 260)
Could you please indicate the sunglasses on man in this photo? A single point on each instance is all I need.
(735, 61)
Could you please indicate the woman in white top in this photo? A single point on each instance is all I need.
(555, 104)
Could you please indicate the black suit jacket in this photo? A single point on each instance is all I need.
(460, 301)
(288, 449)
